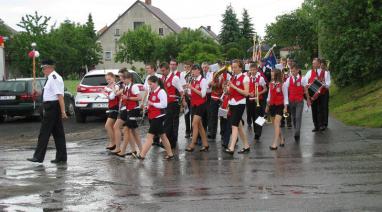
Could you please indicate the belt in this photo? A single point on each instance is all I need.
(51, 102)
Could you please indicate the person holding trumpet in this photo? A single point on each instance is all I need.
(257, 87)
(277, 104)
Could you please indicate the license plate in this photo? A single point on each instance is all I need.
(7, 97)
(100, 105)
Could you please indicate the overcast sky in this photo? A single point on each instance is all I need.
(187, 13)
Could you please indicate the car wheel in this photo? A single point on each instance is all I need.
(80, 117)
(70, 109)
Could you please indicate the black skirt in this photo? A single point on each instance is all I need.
(236, 112)
(156, 126)
(276, 110)
(132, 116)
(199, 110)
(122, 115)
(112, 113)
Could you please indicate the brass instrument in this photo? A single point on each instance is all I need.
(217, 74)
(257, 94)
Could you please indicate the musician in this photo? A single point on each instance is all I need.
(318, 105)
(216, 93)
(150, 71)
(130, 99)
(174, 67)
(277, 105)
(122, 113)
(225, 122)
(286, 74)
(296, 93)
(256, 80)
(325, 95)
(157, 104)
(238, 89)
(208, 75)
(113, 104)
(174, 95)
(185, 77)
(198, 92)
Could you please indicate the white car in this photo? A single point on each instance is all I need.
(90, 99)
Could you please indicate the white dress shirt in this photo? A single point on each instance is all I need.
(285, 94)
(209, 77)
(232, 101)
(53, 87)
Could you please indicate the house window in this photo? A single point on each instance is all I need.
(161, 31)
(116, 32)
(108, 55)
(138, 24)
(116, 44)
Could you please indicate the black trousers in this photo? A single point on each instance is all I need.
(255, 113)
(187, 117)
(319, 111)
(171, 124)
(249, 113)
(325, 99)
(213, 116)
(207, 114)
(51, 124)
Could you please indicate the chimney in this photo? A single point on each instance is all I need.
(209, 28)
(148, 2)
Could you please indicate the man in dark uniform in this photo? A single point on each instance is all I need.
(54, 112)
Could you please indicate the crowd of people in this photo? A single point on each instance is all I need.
(211, 94)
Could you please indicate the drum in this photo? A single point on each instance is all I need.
(315, 89)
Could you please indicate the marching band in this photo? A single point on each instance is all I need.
(211, 94)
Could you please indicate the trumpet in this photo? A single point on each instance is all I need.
(257, 94)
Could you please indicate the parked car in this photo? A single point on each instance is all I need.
(17, 99)
(90, 99)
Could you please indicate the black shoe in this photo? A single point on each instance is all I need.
(111, 147)
(34, 160)
(296, 138)
(282, 145)
(131, 153)
(139, 157)
(172, 157)
(204, 149)
(315, 130)
(189, 149)
(272, 148)
(244, 150)
(224, 146)
(229, 151)
(58, 161)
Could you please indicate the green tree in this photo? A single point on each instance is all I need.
(230, 31)
(246, 27)
(350, 37)
(199, 52)
(138, 45)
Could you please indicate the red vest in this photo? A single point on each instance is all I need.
(296, 90)
(154, 112)
(321, 77)
(172, 92)
(197, 100)
(217, 90)
(252, 87)
(112, 102)
(239, 83)
(129, 103)
(277, 96)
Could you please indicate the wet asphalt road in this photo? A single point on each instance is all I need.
(337, 170)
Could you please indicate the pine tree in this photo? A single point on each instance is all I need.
(246, 27)
(230, 31)
(90, 27)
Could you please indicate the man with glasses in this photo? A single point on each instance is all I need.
(54, 112)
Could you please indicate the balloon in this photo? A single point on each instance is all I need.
(33, 54)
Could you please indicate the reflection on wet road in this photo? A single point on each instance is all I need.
(336, 170)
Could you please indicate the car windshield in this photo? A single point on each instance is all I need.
(94, 80)
(12, 86)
